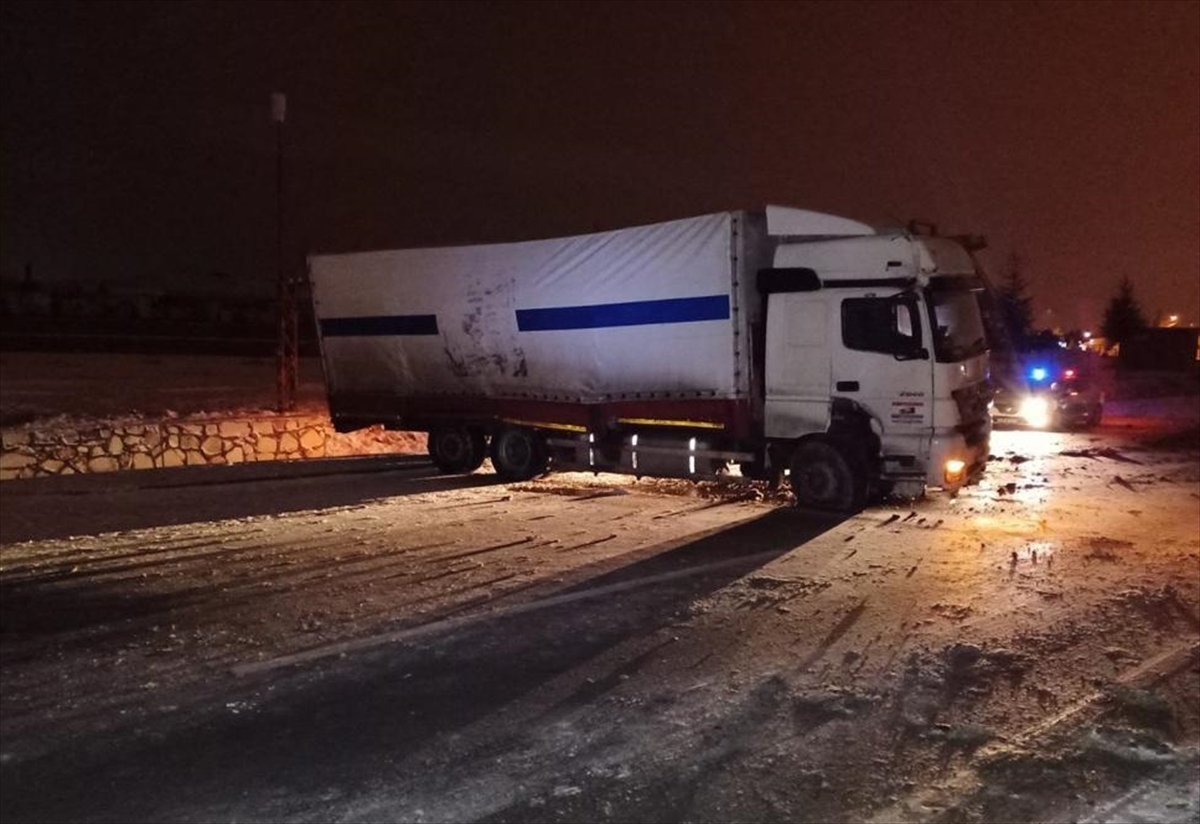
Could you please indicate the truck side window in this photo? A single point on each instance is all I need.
(889, 325)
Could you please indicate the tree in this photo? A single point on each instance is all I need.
(1123, 318)
(1016, 306)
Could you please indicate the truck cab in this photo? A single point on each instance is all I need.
(875, 364)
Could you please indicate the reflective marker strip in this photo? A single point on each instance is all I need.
(662, 422)
(635, 313)
(565, 427)
(379, 325)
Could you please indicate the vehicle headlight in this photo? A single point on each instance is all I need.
(1036, 412)
(952, 472)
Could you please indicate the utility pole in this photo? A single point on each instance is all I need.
(287, 354)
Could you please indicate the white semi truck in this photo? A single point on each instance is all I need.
(853, 359)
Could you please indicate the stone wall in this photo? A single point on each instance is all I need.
(36, 451)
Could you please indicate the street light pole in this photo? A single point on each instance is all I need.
(287, 350)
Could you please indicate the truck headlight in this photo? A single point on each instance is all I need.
(952, 472)
(1036, 412)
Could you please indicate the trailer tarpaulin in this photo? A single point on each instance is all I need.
(595, 317)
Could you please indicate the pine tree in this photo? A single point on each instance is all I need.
(1123, 318)
(1016, 306)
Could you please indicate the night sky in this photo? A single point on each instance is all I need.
(138, 145)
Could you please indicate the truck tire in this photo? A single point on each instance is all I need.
(456, 449)
(518, 454)
(828, 474)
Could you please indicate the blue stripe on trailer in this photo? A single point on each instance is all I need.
(635, 313)
(379, 325)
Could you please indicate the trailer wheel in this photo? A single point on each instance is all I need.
(518, 454)
(456, 449)
(827, 474)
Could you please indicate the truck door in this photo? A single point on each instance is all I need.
(797, 364)
(883, 364)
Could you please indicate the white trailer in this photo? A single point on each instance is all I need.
(852, 358)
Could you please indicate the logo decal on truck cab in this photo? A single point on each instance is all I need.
(908, 411)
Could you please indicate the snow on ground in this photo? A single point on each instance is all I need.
(604, 648)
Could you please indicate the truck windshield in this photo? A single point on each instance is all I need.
(958, 331)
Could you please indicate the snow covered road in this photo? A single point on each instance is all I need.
(367, 645)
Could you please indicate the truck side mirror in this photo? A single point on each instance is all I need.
(906, 330)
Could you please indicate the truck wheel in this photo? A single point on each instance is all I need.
(518, 454)
(827, 475)
(456, 449)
